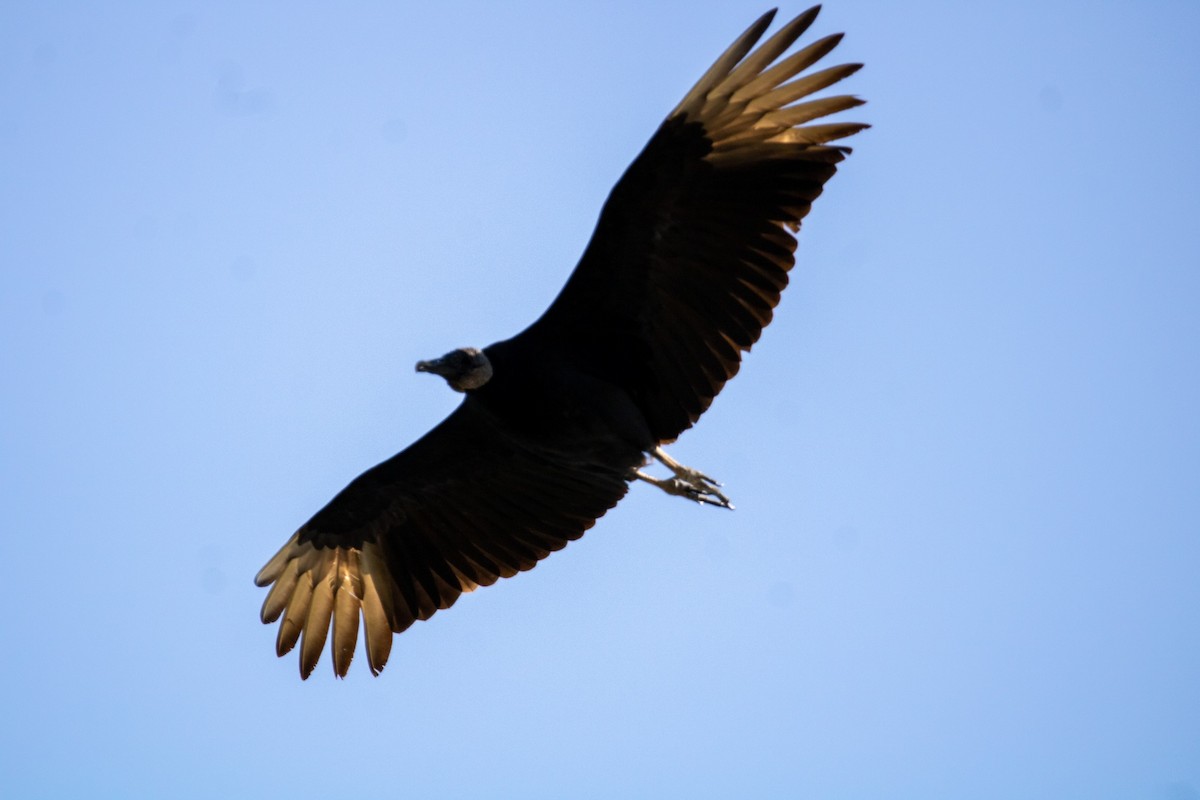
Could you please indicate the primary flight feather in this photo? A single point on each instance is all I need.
(685, 267)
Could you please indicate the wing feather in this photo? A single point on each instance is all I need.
(694, 244)
(378, 608)
(462, 507)
(722, 66)
(316, 624)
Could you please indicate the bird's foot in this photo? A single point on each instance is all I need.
(690, 483)
(703, 491)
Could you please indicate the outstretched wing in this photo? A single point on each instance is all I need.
(465, 505)
(695, 242)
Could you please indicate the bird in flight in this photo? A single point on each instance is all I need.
(689, 257)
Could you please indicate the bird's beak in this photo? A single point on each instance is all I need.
(434, 365)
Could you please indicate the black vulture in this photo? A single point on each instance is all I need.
(687, 262)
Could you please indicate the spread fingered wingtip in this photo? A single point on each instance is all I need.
(318, 591)
(749, 100)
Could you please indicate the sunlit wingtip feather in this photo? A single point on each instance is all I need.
(293, 621)
(377, 608)
(281, 593)
(806, 112)
(721, 67)
(316, 626)
(273, 568)
(345, 628)
(787, 69)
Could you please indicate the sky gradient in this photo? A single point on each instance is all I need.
(965, 560)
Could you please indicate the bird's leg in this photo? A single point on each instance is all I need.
(689, 483)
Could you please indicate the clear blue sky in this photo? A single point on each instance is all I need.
(966, 456)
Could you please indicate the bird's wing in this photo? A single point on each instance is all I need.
(463, 506)
(694, 244)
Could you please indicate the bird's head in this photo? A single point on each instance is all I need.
(464, 369)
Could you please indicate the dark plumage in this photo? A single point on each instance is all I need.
(683, 271)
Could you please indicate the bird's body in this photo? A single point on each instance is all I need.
(543, 392)
(683, 272)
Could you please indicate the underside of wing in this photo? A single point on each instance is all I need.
(694, 245)
(463, 507)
